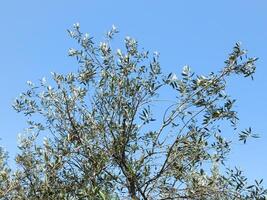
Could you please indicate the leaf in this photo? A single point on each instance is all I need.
(103, 196)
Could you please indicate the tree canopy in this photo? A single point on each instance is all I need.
(111, 133)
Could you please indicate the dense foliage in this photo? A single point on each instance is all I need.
(110, 133)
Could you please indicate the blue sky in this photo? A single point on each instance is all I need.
(34, 42)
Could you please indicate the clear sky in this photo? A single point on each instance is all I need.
(34, 42)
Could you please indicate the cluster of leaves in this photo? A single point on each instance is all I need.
(105, 141)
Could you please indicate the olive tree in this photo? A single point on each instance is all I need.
(111, 133)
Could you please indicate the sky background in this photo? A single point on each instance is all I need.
(34, 42)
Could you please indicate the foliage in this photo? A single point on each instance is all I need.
(109, 140)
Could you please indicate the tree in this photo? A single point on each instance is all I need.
(109, 139)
